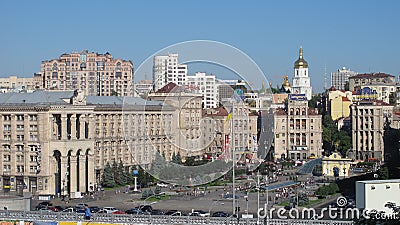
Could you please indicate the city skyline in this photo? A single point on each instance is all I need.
(359, 34)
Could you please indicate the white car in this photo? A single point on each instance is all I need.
(69, 210)
(110, 209)
(162, 185)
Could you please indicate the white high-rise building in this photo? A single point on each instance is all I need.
(339, 79)
(205, 84)
(301, 81)
(166, 69)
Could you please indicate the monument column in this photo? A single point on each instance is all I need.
(73, 174)
(64, 126)
(73, 126)
(82, 172)
(82, 120)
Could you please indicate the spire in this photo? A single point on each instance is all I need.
(301, 52)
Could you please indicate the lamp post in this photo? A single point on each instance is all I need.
(135, 173)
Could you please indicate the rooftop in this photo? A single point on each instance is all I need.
(371, 75)
(379, 181)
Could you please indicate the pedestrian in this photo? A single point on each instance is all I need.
(88, 214)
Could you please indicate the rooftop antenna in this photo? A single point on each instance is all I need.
(325, 85)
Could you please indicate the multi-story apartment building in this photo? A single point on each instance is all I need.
(338, 103)
(355, 82)
(16, 84)
(189, 135)
(226, 88)
(243, 138)
(166, 69)
(57, 143)
(301, 79)
(143, 87)
(339, 78)
(368, 120)
(205, 85)
(91, 72)
(297, 130)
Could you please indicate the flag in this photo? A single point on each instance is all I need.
(229, 115)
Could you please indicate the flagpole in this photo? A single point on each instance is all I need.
(233, 160)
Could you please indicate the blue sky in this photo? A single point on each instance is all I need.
(362, 35)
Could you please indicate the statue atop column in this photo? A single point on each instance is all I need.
(79, 98)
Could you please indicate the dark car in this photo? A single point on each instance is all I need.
(94, 209)
(59, 208)
(46, 203)
(174, 213)
(134, 211)
(81, 211)
(43, 205)
(220, 214)
(146, 208)
(156, 212)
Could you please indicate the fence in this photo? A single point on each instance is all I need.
(156, 219)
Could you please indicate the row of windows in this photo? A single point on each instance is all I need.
(20, 117)
(19, 168)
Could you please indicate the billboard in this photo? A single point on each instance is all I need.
(297, 97)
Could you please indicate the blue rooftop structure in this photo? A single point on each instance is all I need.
(309, 166)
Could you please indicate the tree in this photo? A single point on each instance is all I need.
(108, 176)
(383, 173)
(303, 199)
(177, 158)
(158, 165)
(122, 177)
(117, 176)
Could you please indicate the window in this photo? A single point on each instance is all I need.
(7, 168)
(20, 117)
(32, 127)
(33, 158)
(7, 127)
(6, 117)
(20, 169)
(33, 137)
(20, 147)
(20, 127)
(20, 137)
(7, 137)
(32, 148)
(32, 117)
(32, 169)
(6, 158)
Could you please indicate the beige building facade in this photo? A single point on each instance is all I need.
(244, 138)
(14, 83)
(368, 121)
(57, 143)
(94, 73)
(297, 131)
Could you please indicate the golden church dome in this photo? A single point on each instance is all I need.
(300, 63)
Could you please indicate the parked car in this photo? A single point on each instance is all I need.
(156, 212)
(110, 209)
(80, 206)
(81, 211)
(200, 213)
(162, 185)
(45, 210)
(146, 208)
(54, 209)
(220, 214)
(69, 210)
(118, 212)
(45, 203)
(174, 213)
(94, 209)
(134, 211)
(59, 208)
